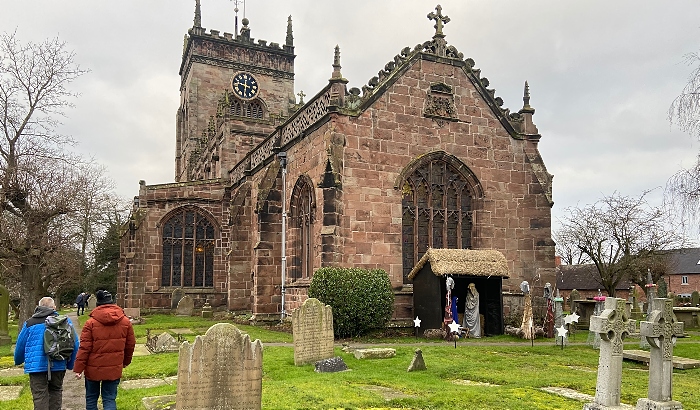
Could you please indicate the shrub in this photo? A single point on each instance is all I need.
(361, 299)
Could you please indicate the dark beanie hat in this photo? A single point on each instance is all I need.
(103, 297)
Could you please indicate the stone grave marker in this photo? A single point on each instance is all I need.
(220, 370)
(695, 298)
(417, 363)
(332, 365)
(186, 306)
(651, 295)
(312, 325)
(165, 342)
(134, 313)
(559, 319)
(207, 311)
(5, 338)
(573, 297)
(92, 302)
(178, 294)
(613, 326)
(660, 329)
(593, 337)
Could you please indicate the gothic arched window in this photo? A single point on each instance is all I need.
(188, 250)
(301, 228)
(437, 211)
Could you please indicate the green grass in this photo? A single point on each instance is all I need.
(515, 369)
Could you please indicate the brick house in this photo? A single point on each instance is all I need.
(422, 156)
(684, 271)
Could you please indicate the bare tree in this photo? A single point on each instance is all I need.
(682, 193)
(38, 176)
(618, 234)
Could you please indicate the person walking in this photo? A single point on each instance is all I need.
(106, 347)
(81, 301)
(47, 390)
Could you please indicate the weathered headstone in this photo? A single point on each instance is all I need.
(332, 365)
(207, 310)
(5, 338)
(92, 302)
(651, 295)
(559, 319)
(573, 297)
(417, 363)
(220, 370)
(593, 337)
(163, 343)
(178, 294)
(312, 324)
(660, 329)
(613, 326)
(186, 306)
(134, 313)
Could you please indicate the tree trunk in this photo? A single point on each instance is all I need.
(30, 287)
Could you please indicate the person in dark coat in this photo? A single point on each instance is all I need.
(81, 301)
(106, 348)
(47, 394)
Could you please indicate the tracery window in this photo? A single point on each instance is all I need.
(301, 228)
(437, 211)
(250, 109)
(188, 250)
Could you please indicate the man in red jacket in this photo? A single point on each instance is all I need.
(106, 347)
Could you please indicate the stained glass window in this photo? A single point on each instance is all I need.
(437, 211)
(188, 250)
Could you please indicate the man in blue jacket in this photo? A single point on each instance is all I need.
(47, 394)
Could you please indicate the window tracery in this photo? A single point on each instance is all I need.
(188, 250)
(301, 229)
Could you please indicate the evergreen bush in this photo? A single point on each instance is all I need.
(361, 299)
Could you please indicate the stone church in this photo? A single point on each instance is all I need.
(268, 189)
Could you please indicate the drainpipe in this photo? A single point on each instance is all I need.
(283, 162)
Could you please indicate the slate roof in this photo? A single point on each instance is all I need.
(463, 262)
(684, 261)
(582, 277)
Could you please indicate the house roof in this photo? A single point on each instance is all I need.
(684, 261)
(582, 277)
(463, 262)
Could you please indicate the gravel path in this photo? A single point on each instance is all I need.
(74, 390)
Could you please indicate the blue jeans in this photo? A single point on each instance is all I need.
(108, 390)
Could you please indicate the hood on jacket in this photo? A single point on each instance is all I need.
(42, 312)
(107, 314)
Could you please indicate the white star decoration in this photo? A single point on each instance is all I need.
(561, 331)
(454, 327)
(416, 322)
(571, 319)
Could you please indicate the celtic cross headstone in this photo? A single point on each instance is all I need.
(660, 329)
(613, 326)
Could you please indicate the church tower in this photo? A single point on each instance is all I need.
(234, 81)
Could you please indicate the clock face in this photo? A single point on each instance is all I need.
(244, 85)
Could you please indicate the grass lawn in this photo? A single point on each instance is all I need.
(456, 378)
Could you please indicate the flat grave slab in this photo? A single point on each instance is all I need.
(642, 356)
(9, 392)
(375, 353)
(576, 395)
(144, 383)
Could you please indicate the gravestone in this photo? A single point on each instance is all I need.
(332, 365)
(207, 311)
(92, 302)
(695, 298)
(186, 306)
(5, 338)
(178, 294)
(660, 329)
(165, 342)
(220, 370)
(559, 318)
(613, 326)
(593, 337)
(573, 297)
(134, 313)
(312, 325)
(417, 363)
(651, 295)
(375, 353)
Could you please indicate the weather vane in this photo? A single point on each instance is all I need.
(235, 9)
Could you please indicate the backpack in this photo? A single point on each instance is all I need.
(59, 339)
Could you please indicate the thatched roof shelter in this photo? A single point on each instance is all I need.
(463, 262)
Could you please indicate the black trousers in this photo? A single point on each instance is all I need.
(47, 394)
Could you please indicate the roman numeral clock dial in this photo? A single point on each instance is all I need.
(244, 85)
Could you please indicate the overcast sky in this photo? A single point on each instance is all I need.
(602, 73)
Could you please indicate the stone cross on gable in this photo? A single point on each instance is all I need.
(440, 20)
(612, 325)
(660, 331)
